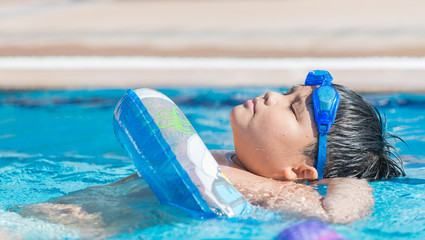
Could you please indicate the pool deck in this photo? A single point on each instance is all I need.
(238, 29)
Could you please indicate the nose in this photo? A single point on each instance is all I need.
(271, 98)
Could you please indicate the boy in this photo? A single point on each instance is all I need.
(292, 137)
(276, 138)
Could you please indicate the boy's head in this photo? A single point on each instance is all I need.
(276, 136)
(357, 142)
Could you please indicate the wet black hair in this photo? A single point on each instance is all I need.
(358, 144)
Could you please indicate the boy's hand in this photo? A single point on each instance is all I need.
(347, 199)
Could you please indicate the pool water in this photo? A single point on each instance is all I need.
(53, 143)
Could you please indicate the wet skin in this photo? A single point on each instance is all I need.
(271, 131)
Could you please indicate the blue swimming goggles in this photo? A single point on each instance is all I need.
(325, 102)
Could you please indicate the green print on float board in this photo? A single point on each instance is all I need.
(178, 121)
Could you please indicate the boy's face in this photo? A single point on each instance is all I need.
(271, 131)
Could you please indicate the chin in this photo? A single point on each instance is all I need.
(233, 117)
(238, 117)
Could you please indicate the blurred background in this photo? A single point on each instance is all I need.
(369, 45)
(208, 56)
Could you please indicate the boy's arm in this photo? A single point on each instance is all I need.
(347, 199)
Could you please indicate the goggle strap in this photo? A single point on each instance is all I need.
(321, 155)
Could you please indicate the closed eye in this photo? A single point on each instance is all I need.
(291, 107)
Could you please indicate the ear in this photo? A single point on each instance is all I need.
(307, 172)
(289, 174)
(302, 172)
